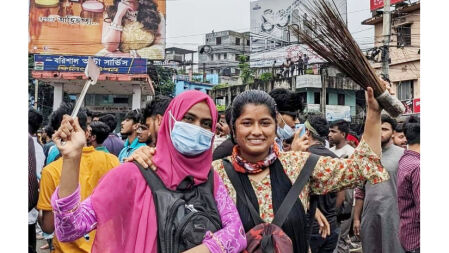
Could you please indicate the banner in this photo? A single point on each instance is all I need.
(333, 112)
(78, 64)
(377, 4)
(108, 28)
(417, 105)
(270, 21)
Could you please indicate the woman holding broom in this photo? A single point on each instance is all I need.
(267, 174)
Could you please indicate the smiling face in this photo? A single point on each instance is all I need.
(255, 131)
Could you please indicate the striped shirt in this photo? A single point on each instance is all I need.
(408, 200)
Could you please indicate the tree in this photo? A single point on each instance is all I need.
(162, 79)
(246, 73)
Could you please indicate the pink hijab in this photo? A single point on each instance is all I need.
(172, 166)
(122, 201)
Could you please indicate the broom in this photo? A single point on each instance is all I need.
(331, 39)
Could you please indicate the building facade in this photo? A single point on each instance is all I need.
(404, 50)
(221, 51)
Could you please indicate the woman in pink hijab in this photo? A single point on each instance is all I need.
(122, 208)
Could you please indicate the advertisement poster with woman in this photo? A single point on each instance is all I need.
(110, 28)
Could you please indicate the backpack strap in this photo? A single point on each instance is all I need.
(153, 180)
(239, 191)
(292, 195)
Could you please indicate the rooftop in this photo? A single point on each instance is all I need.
(395, 13)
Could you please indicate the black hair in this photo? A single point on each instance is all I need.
(134, 115)
(342, 125)
(110, 120)
(320, 124)
(67, 108)
(387, 119)
(89, 113)
(148, 14)
(228, 115)
(157, 106)
(399, 128)
(34, 121)
(287, 102)
(412, 130)
(100, 130)
(256, 97)
(48, 130)
(96, 114)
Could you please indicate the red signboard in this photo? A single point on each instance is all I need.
(377, 4)
(416, 105)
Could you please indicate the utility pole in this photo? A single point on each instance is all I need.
(36, 92)
(324, 80)
(204, 71)
(386, 41)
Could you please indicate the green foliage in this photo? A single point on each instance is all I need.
(267, 76)
(309, 72)
(220, 86)
(246, 73)
(221, 108)
(162, 79)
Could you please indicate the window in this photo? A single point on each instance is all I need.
(404, 35)
(219, 56)
(120, 100)
(218, 40)
(317, 98)
(405, 90)
(341, 99)
(237, 57)
(211, 57)
(303, 97)
(327, 98)
(225, 56)
(237, 41)
(247, 42)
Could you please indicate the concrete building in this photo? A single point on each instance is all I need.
(195, 82)
(219, 55)
(404, 52)
(113, 93)
(182, 60)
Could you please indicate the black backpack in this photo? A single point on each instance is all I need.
(183, 215)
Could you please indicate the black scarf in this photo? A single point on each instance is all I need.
(297, 225)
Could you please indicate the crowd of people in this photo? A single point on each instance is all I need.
(291, 68)
(259, 177)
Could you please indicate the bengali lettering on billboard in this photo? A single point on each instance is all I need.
(377, 4)
(109, 28)
(271, 35)
(78, 64)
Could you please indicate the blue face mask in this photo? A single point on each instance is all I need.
(286, 132)
(189, 139)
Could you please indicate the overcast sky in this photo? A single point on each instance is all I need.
(189, 20)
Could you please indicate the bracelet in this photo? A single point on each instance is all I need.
(116, 27)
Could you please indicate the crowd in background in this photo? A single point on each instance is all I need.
(364, 199)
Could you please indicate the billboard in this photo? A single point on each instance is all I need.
(271, 35)
(78, 64)
(106, 28)
(377, 4)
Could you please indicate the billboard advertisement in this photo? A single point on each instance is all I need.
(271, 33)
(78, 64)
(377, 4)
(106, 28)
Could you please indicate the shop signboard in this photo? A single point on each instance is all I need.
(98, 28)
(417, 105)
(111, 65)
(377, 4)
(333, 112)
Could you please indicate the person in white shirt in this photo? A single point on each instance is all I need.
(337, 137)
(338, 132)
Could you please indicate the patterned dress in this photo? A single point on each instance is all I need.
(329, 175)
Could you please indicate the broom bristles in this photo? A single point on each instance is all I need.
(332, 40)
